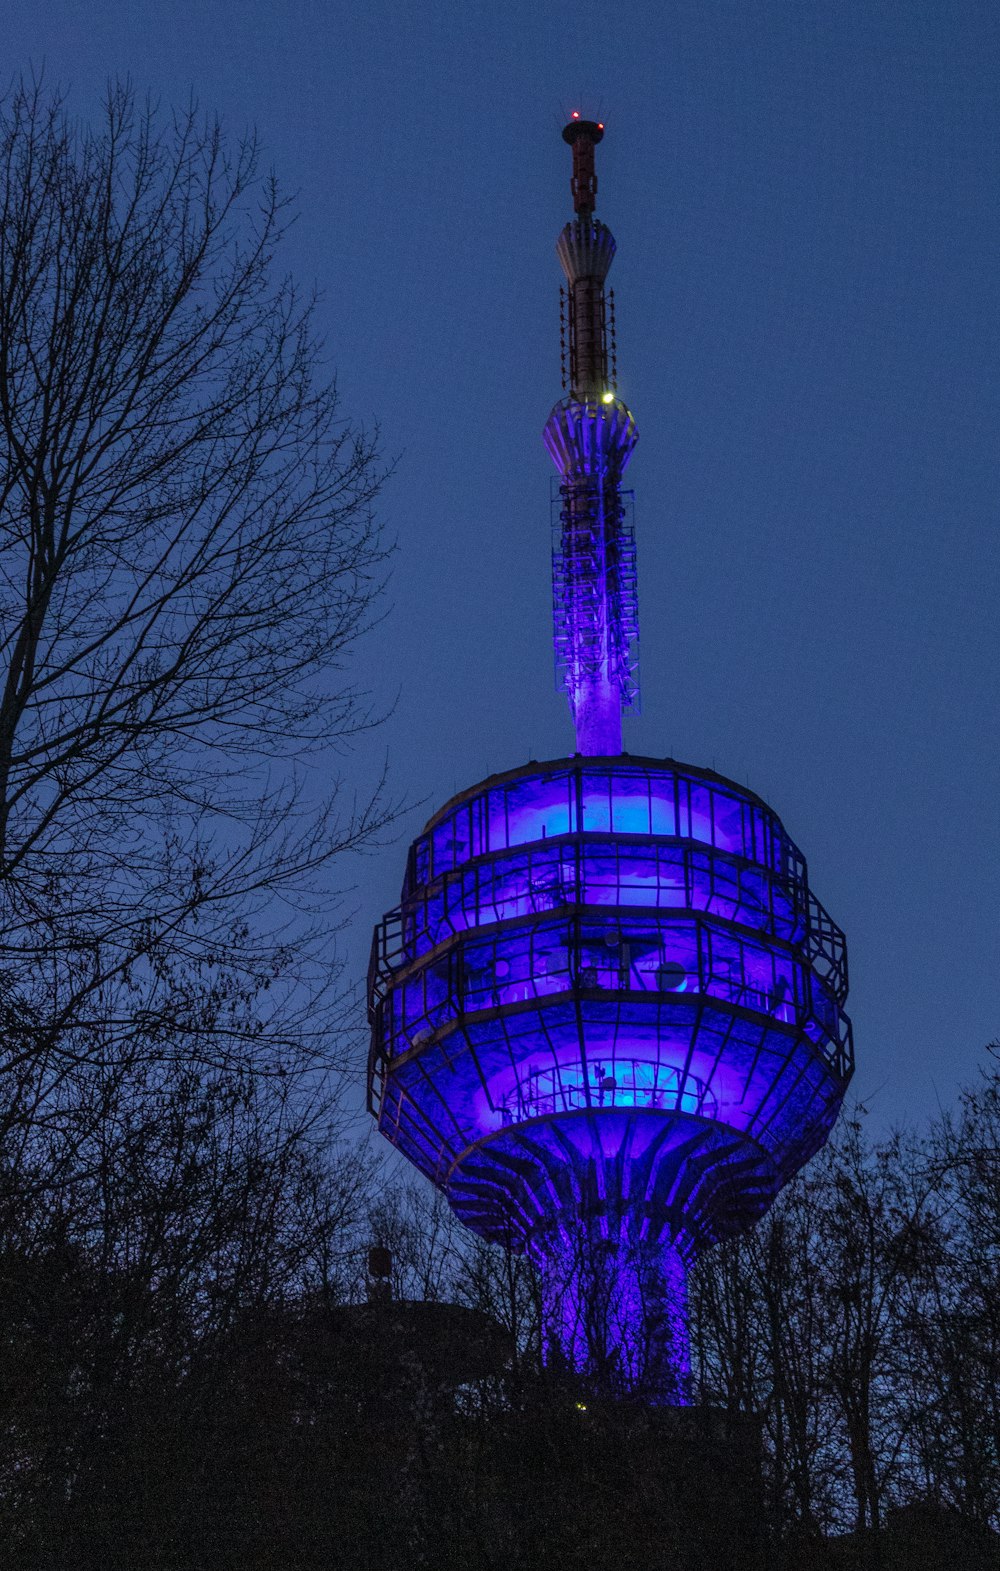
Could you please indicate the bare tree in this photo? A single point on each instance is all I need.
(762, 1319)
(857, 1320)
(187, 553)
(952, 1370)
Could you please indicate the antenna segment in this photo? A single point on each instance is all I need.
(590, 436)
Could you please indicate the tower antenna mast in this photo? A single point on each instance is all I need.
(591, 435)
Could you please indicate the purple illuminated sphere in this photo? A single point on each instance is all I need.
(607, 1022)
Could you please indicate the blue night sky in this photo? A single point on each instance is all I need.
(804, 199)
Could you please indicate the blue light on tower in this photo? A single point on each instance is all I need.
(607, 1014)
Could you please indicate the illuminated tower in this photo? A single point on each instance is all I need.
(607, 1014)
(590, 436)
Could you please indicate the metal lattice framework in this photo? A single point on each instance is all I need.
(594, 545)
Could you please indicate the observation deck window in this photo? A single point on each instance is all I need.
(537, 808)
(664, 957)
(616, 1083)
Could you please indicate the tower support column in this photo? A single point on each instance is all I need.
(597, 713)
(614, 1309)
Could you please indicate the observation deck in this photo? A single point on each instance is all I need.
(607, 1021)
(606, 942)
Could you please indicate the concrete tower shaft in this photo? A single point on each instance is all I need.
(586, 250)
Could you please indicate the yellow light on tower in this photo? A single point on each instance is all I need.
(607, 398)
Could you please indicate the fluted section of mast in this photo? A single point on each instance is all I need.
(590, 436)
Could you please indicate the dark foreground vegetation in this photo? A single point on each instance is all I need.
(197, 1372)
(191, 1374)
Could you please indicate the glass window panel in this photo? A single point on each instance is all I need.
(662, 805)
(630, 813)
(538, 809)
(422, 860)
(596, 804)
(444, 847)
(496, 808)
(728, 816)
(701, 812)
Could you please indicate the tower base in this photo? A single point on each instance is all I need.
(614, 1310)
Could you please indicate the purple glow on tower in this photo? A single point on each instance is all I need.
(616, 1306)
(590, 436)
(607, 1014)
(607, 1020)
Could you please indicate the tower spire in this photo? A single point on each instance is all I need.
(590, 436)
(583, 136)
